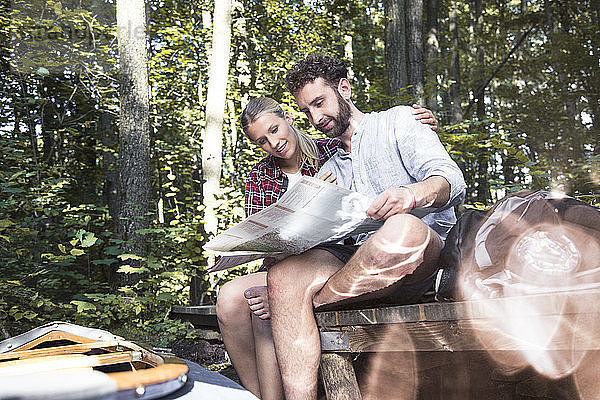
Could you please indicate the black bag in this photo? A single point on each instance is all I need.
(459, 246)
(528, 242)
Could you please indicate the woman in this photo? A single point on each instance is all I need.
(242, 305)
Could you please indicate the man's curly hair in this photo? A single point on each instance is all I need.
(315, 66)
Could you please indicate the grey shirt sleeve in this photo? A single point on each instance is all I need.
(424, 155)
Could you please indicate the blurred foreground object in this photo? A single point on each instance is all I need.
(65, 361)
(528, 243)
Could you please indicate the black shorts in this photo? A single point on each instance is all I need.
(343, 252)
(409, 290)
(406, 291)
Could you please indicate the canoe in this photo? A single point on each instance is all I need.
(68, 361)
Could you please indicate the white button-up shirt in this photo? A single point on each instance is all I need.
(391, 149)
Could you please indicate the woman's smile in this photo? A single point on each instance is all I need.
(282, 148)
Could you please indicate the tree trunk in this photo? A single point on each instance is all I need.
(106, 129)
(483, 185)
(416, 76)
(479, 56)
(509, 163)
(444, 64)
(30, 126)
(134, 136)
(454, 65)
(570, 143)
(595, 108)
(46, 124)
(231, 140)
(433, 53)
(349, 55)
(395, 48)
(212, 139)
(363, 46)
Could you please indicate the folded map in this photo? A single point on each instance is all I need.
(309, 213)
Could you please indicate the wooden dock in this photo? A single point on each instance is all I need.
(460, 349)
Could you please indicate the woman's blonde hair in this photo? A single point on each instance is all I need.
(257, 107)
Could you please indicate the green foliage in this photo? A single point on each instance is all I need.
(540, 126)
(59, 247)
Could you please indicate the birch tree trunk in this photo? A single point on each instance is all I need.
(212, 138)
(395, 48)
(414, 46)
(134, 136)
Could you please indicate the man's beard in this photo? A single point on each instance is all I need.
(342, 119)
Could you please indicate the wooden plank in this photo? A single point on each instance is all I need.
(52, 351)
(196, 310)
(337, 375)
(464, 335)
(199, 316)
(587, 301)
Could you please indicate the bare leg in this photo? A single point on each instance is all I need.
(269, 376)
(403, 246)
(292, 285)
(236, 328)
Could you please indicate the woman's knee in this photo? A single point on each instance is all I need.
(231, 304)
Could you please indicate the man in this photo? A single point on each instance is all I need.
(402, 165)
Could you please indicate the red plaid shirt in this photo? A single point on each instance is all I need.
(266, 182)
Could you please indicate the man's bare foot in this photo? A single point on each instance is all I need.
(258, 300)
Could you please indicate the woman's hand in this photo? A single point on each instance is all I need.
(425, 116)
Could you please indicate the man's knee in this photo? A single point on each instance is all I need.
(285, 277)
(403, 239)
(402, 231)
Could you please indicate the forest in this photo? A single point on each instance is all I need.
(122, 152)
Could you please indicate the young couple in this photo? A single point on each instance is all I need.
(390, 156)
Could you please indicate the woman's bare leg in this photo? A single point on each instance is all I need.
(271, 387)
(235, 323)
